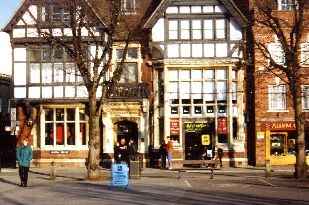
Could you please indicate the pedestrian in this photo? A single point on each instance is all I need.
(169, 150)
(123, 151)
(163, 153)
(220, 155)
(131, 149)
(24, 156)
(117, 155)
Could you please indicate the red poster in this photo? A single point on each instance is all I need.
(174, 126)
(222, 125)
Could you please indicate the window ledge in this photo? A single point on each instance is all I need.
(277, 111)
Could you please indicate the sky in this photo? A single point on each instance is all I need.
(7, 9)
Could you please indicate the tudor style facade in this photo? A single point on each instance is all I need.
(191, 87)
(198, 84)
(50, 95)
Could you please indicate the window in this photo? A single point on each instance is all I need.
(305, 98)
(50, 65)
(276, 53)
(305, 53)
(55, 13)
(285, 4)
(128, 6)
(64, 127)
(277, 98)
(130, 66)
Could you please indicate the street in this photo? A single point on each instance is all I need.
(157, 187)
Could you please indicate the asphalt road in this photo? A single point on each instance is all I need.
(157, 187)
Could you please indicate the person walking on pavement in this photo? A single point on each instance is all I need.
(24, 156)
(169, 150)
(163, 153)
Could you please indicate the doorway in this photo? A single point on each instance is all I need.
(127, 130)
(198, 141)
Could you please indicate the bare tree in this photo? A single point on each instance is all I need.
(289, 29)
(93, 65)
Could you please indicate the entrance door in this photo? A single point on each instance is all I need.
(127, 130)
(198, 141)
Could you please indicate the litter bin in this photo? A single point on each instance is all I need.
(135, 168)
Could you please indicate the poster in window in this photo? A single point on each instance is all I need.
(222, 125)
(174, 126)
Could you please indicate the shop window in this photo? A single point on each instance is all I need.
(60, 127)
(222, 138)
(210, 109)
(222, 109)
(235, 129)
(278, 144)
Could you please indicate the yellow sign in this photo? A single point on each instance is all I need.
(205, 140)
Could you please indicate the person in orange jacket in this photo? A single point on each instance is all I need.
(169, 150)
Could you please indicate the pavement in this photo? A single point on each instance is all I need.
(156, 186)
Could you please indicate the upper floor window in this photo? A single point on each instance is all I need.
(130, 66)
(305, 54)
(55, 13)
(277, 97)
(201, 29)
(285, 4)
(128, 6)
(305, 98)
(276, 53)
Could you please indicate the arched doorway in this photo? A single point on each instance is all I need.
(127, 130)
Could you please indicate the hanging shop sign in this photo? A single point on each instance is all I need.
(174, 126)
(222, 125)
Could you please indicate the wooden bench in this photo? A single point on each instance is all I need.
(211, 165)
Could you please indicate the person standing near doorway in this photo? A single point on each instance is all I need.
(24, 156)
(169, 150)
(163, 153)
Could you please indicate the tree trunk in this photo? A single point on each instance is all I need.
(94, 140)
(300, 166)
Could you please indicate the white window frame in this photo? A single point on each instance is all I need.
(276, 98)
(305, 53)
(127, 10)
(305, 97)
(285, 5)
(78, 144)
(276, 52)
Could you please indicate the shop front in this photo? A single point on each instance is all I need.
(280, 141)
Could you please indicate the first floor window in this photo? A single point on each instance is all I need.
(277, 98)
(305, 97)
(64, 126)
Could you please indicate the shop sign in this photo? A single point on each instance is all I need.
(279, 125)
(174, 126)
(205, 139)
(59, 152)
(120, 175)
(222, 125)
(195, 126)
(260, 135)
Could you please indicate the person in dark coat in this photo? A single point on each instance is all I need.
(117, 153)
(131, 148)
(123, 151)
(220, 155)
(163, 153)
(24, 156)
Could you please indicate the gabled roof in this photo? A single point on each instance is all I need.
(22, 8)
(235, 7)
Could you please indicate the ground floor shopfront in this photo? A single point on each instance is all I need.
(59, 133)
(276, 142)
